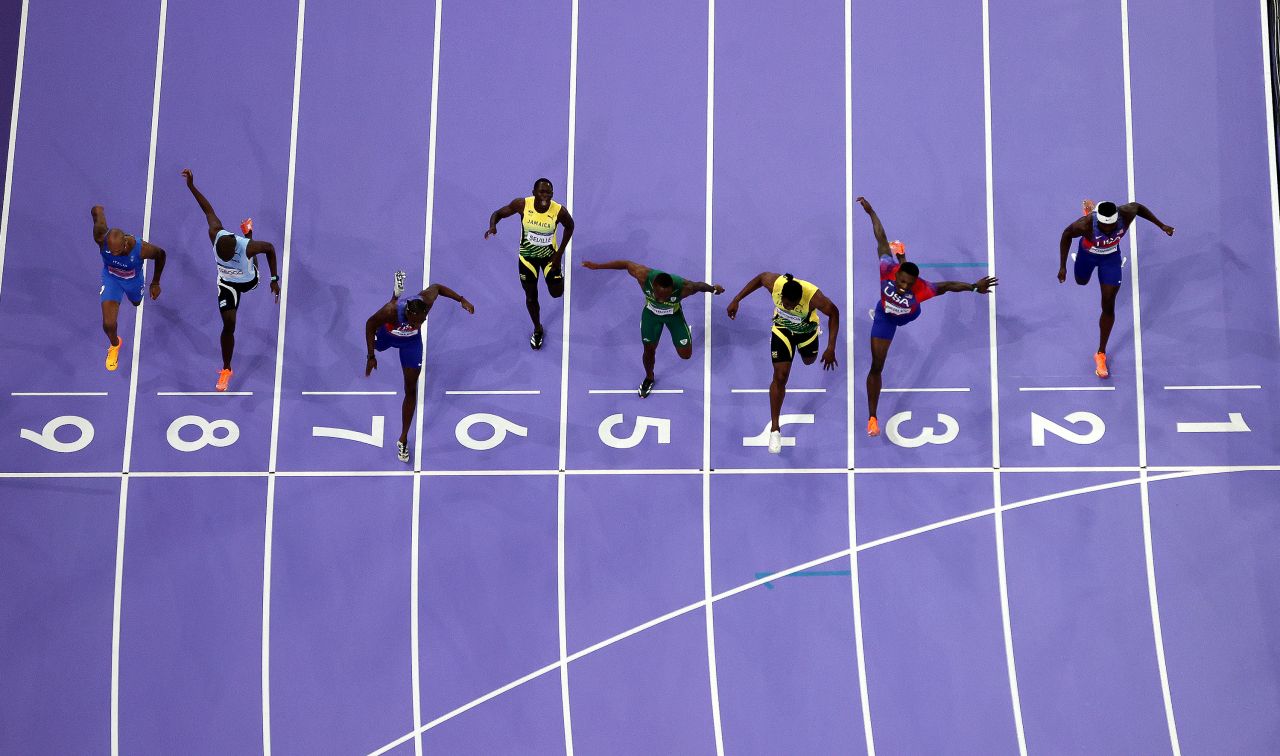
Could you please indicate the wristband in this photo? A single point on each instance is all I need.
(973, 287)
(275, 279)
(370, 355)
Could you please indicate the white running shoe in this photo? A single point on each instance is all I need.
(872, 314)
(402, 451)
(775, 442)
(399, 287)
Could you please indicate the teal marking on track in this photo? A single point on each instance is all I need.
(953, 265)
(805, 573)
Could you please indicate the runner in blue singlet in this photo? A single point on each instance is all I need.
(123, 275)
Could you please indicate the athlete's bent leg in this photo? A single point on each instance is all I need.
(648, 359)
(228, 337)
(778, 391)
(410, 402)
(110, 315)
(1108, 317)
(879, 351)
(685, 352)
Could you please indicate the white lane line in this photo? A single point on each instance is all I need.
(348, 393)
(13, 138)
(286, 258)
(713, 675)
(1138, 374)
(1210, 388)
(1271, 142)
(204, 393)
(789, 391)
(850, 410)
(632, 391)
(1066, 388)
(57, 393)
(567, 270)
(133, 391)
(996, 491)
(494, 392)
(923, 390)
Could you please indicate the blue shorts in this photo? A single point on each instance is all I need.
(1109, 268)
(114, 289)
(410, 347)
(884, 325)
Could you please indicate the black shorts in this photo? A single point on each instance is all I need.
(784, 344)
(229, 293)
(529, 270)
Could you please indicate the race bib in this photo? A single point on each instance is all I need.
(657, 310)
(539, 240)
(790, 317)
(125, 274)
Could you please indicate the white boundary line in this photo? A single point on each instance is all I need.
(789, 571)
(566, 268)
(204, 393)
(713, 675)
(923, 390)
(996, 491)
(632, 391)
(415, 630)
(1066, 388)
(1148, 555)
(851, 422)
(58, 393)
(1267, 52)
(286, 256)
(13, 138)
(1210, 388)
(789, 391)
(348, 393)
(485, 392)
(133, 394)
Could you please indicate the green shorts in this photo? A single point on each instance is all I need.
(651, 328)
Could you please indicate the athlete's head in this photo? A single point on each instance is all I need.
(117, 242)
(225, 246)
(906, 277)
(415, 312)
(543, 190)
(1107, 214)
(791, 292)
(663, 287)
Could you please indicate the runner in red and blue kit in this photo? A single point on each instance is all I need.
(1100, 230)
(901, 292)
(122, 276)
(398, 324)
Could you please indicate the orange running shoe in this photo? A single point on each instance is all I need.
(113, 354)
(1087, 207)
(1100, 365)
(246, 226)
(897, 248)
(224, 378)
(873, 427)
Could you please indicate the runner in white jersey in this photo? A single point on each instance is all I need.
(237, 272)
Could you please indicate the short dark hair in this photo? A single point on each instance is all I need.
(546, 181)
(664, 280)
(1107, 208)
(415, 306)
(792, 289)
(910, 269)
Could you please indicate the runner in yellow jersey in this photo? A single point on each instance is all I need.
(539, 216)
(795, 329)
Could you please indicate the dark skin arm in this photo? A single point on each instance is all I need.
(215, 224)
(434, 291)
(981, 286)
(506, 211)
(100, 227)
(268, 250)
(566, 221)
(824, 305)
(1137, 209)
(696, 287)
(882, 241)
(764, 280)
(636, 270)
(385, 315)
(152, 252)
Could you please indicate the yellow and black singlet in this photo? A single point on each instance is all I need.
(801, 320)
(538, 231)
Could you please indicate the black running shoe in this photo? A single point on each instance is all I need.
(402, 451)
(535, 341)
(646, 386)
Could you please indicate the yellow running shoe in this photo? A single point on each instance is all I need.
(224, 378)
(113, 354)
(873, 427)
(1100, 365)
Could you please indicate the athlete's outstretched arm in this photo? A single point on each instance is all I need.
(100, 227)
(882, 241)
(269, 251)
(981, 286)
(210, 217)
(765, 280)
(1076, 229)
(566, 221)
(430, 293)
(506, 211)
(635, 269)
(1142, 211)
(152, 252)
(823, 304)
(695, 287)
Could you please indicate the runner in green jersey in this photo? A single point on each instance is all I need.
(662, 294)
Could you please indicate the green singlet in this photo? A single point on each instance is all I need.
(659, 314)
